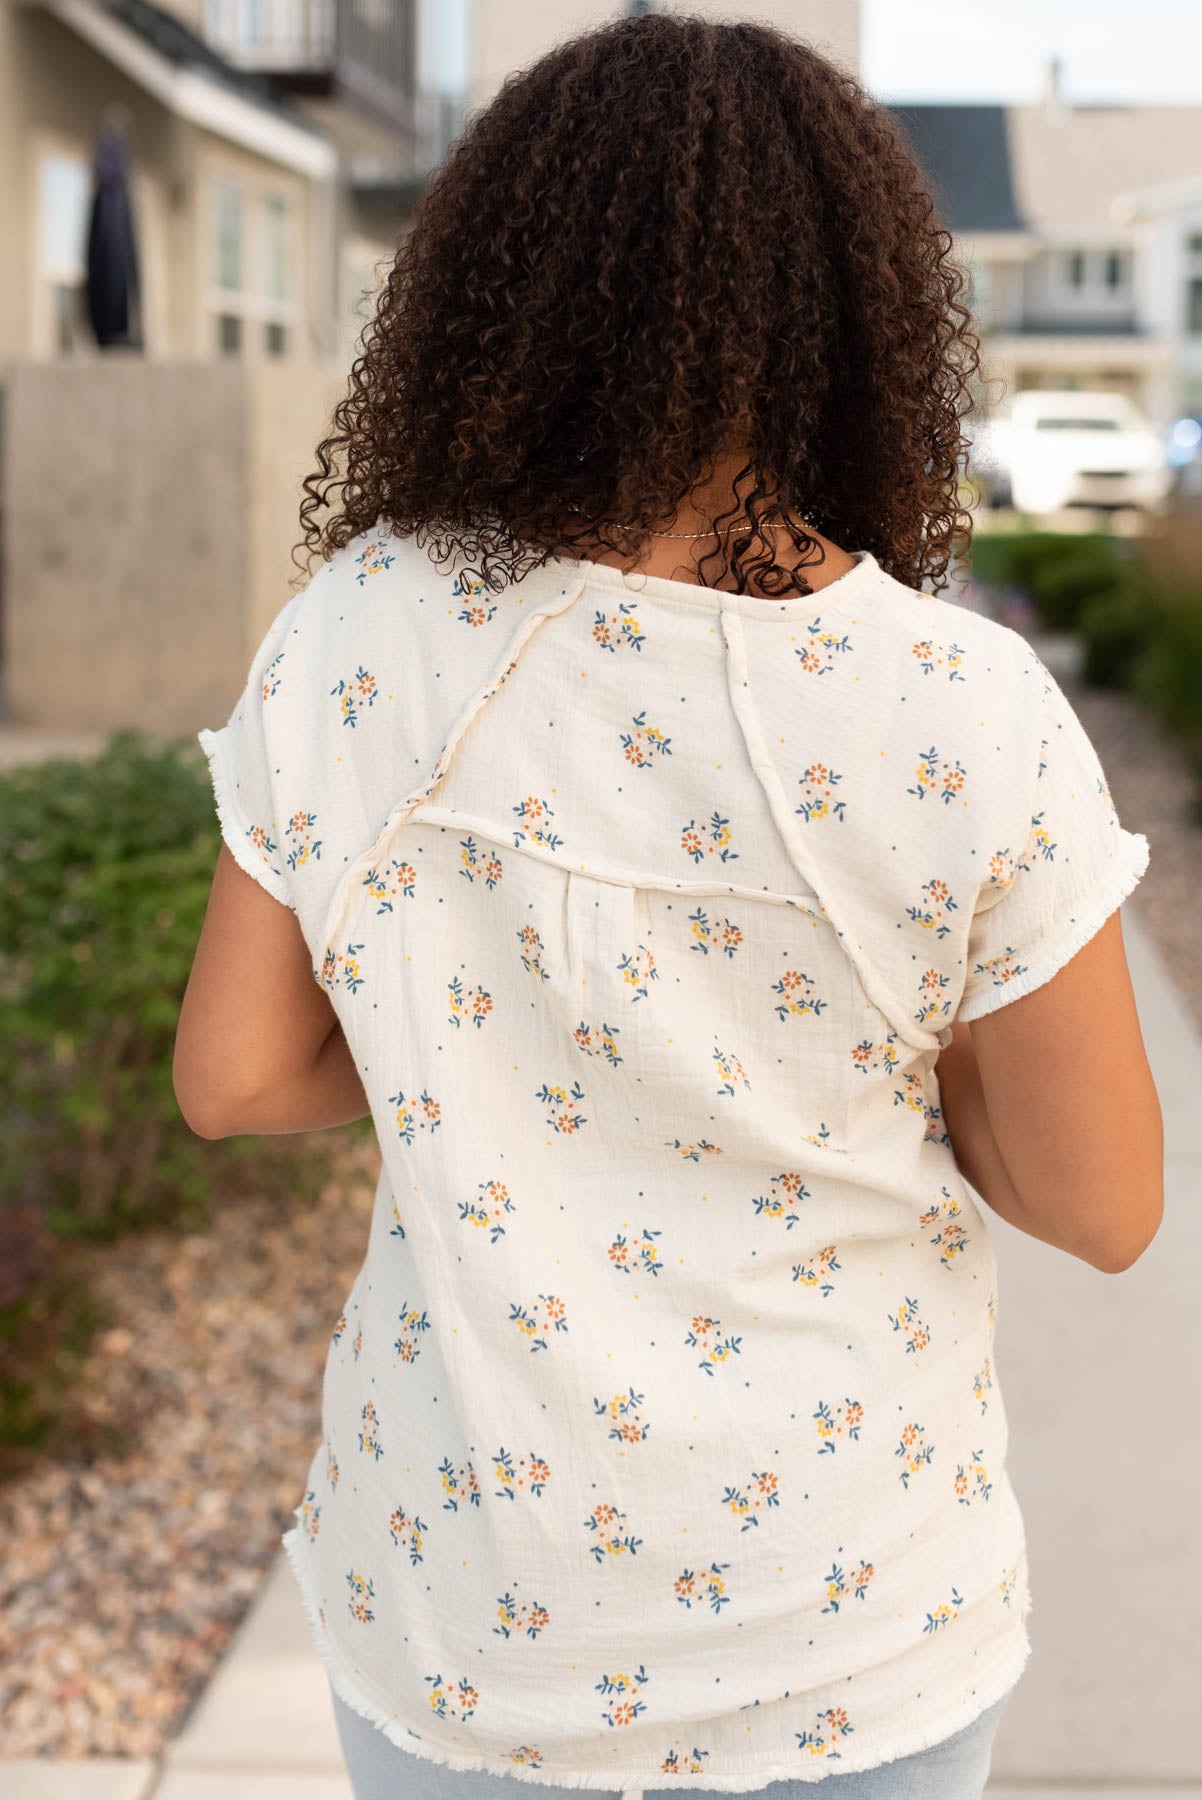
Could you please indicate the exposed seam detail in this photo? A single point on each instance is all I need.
(396, 818)
(795, 843)
(618, 877)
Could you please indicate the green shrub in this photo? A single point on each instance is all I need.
(105, 869)
(1058, 571)
(1114, 632)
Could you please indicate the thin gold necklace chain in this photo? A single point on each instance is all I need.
(725, 532)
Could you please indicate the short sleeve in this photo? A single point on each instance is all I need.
(242, 758)
(1044, 897)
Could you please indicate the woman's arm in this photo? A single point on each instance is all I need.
(258, 1048)
(966, 1118)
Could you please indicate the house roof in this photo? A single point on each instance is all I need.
(965, 152)
(1070, 164)
(1048, 168)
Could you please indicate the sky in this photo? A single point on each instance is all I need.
(1116, 50)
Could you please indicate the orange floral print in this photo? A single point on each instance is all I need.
(818, 794)
(624, 1693)
(785, 1191)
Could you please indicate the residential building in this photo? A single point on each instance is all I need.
(1082, 228)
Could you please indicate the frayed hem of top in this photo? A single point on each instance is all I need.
(231, 828)
(1125, 873)
(739, 1781)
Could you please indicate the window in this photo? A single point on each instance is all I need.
(1074, 268)
(1193, 306)
(251, 300)
(229, 234)
(1116, 269)
(64, 204)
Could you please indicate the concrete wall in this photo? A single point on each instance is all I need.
(150, 512)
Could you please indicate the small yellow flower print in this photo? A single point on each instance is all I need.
(611, 1533)
(981, 1384)
(710, 935)
(914, 1450)
(694, 1152)
(785, 1192)
(369, 1439)
(839, 1582)
(332, 1470)
(341, 968)
(533, 823)
(404, 1530)
(529, 1617)
(691, 1762)
(748, 1503)
(598, 1041)
(305, 847)
(1041, 838)
(624, 1693)
(1008, 1583)
(869, 1057)
(362, 1591)
(527, 1755)
(829, 1730)
(815, 1273)
(934, 1002)
(730, 1072)
(532, 951)
(944, 1613)
(644, 743)
(637, 969)
(972, 1482)
(907, 1320)
(386, 886)
(626, 1422)
(539, 1320)
(936, 775)
(945, 658)
(412, 1116)
(710, 839)
(817, 655)
(618, 631)
(355, 693)
(474, 1004)
(708, 1588)
(373, 561)
(452, 1701)
(707, 1336)
(487, 1210)
(1001, 968)
(818, 801)
(843, 1421)
(558, 1099)
(520, 1475)
(798, 995)
(460, 1485)
(629, 1254)
(310, 1515)
(486, 866)
(951, 1236)
(477, 610)
(413, 1324)
(933, 909)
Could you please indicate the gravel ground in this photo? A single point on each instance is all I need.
(122, 1581)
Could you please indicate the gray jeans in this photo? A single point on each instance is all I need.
(956, 1769)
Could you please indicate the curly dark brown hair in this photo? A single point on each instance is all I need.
(666, 237)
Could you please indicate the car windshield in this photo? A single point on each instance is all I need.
(1048, 423)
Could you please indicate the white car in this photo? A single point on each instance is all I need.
(1075, 448)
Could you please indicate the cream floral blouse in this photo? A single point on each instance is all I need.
(663, 1443)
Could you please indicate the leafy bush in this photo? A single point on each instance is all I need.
(105, 868)
(1060, 572)
(1114, 633)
